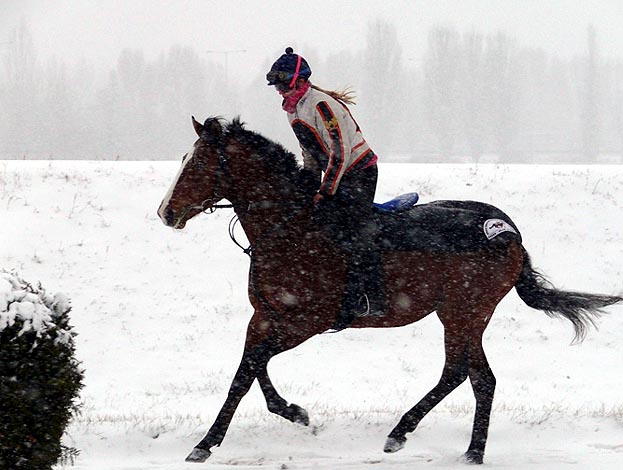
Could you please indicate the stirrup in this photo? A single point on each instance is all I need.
(366, 310)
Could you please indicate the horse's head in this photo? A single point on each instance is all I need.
(199, 182)
(229, 161)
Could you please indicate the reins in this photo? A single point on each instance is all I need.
(231, 229)
(235, 220)
(223, 173)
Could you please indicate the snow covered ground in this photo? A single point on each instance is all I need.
(161, 317)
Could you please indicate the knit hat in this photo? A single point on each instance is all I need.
(288, 68)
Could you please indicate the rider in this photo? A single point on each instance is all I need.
(332, 142)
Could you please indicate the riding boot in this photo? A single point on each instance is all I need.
(373, 285)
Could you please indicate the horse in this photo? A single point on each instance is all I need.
(455, 258)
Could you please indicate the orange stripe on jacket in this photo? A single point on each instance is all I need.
(313, 131)
(337, 148)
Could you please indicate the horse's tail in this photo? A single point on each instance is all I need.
(579, 308)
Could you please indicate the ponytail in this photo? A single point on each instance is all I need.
(345, 96)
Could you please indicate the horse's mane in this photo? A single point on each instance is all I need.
(277, 159)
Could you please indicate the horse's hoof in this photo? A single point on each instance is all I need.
(473, 457)
(198, 455)
(299, 415)
(394, 444)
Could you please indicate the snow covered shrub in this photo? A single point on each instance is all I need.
(40, 377)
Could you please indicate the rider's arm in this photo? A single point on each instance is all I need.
(311, 164)
(337, 141)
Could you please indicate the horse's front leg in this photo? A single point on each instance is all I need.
(277, 404)
(253, 361)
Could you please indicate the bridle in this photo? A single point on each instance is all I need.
(222, 173)
(209, 205)
(223, 184)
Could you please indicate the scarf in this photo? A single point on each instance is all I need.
(289, 103)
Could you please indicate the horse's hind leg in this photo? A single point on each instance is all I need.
(276, 404)
(483, 385)
(454, 373)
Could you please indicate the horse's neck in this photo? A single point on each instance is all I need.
(260, 218)
(264, 202)
(254, 224)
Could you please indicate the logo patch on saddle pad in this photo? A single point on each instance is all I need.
(493, 227)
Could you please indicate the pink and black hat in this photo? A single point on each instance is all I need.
(287, 69)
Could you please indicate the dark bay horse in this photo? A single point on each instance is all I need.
(297, 275)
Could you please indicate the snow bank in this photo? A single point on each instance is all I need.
(36, 309)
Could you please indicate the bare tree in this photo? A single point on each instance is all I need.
(19, 94)
(441, 86)
(617, 106)
(501, 92)
(384, 87)
(474, 111)
(590, 100)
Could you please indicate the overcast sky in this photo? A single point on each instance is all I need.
(99, 29)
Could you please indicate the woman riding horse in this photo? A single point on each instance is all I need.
(461, 267)
(332, 141)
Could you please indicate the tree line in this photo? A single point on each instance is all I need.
(468, 97)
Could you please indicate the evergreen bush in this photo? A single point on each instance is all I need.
(40, 378)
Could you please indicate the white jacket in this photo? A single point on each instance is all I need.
(330, 138)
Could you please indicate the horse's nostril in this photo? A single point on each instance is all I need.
(167, 216)
(170, 216)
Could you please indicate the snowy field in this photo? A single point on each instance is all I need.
(161, 318)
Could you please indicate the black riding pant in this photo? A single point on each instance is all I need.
(349, 213)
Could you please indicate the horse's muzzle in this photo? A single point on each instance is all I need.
(167, 216)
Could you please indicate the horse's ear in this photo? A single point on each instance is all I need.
(198, 126)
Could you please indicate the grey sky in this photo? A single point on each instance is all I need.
(99, 29)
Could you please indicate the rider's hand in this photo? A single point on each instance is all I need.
(318, 199)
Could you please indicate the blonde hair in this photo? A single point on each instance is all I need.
(345, 96)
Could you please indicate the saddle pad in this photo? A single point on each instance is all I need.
(445, 227)
(398, 204)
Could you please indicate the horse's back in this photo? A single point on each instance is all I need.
(446, 227)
